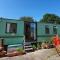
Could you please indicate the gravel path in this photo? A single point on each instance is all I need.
(43, 54)
(55, 57)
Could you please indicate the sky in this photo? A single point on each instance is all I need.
(14, 9)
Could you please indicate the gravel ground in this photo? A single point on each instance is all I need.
(55, 57)
(43, 54)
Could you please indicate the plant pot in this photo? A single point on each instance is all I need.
(2, 53)
(10, 55)
(15, 53)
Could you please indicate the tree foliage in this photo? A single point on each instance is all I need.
(50, 18)
(27, 19)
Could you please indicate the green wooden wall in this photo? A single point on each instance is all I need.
(42, 36)
(18, 38)
(13, 40)
(9, 38)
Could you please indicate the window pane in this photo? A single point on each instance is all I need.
(46, 29)
(54, 29)
(33, 30)
(8, 27)
(13, 27)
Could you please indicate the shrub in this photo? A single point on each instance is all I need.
(34, 47)
(38, 46)
(20, 49)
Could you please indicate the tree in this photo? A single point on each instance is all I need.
(50, 18)
(27, 19)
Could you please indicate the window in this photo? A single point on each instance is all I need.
(54, 29)
(11, 27)
(47, 29)
(33, 31)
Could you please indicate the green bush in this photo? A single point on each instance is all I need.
(38, 45)
(33, 46)
(20, 49)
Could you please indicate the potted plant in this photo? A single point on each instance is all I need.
(38, 46)
(19, 51)
(34, 47)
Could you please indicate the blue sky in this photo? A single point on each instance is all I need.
(14, 9)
